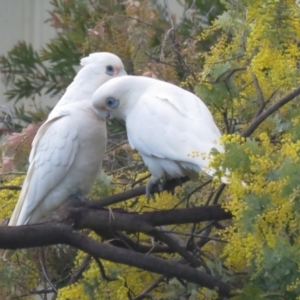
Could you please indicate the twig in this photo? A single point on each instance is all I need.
(263, 105)
(11, 187)
(150, 288)
(13, 173)
(140, 180)
(122, 240)
(140, 21)
(194, 235)
(172, 243)
(102, 270)
(193, 192)
(115, 146)
(39, 292)
(79, 271)
(261, 98)
(45, 272)
(228, 73)
(158, 60)
(257, 121)
(227, 59)
(219, 193)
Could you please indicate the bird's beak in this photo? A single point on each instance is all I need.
(119, 72)
(122, 73)
(103, 114)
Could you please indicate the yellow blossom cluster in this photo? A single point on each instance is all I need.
(262, 213)
(9, 196)
(257, 51)
(15, 268)
(272, 43)
(231, 138)
(294, 285)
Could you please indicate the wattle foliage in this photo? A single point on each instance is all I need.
(241, 58)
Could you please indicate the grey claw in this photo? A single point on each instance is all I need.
(148, 192)
(149, 187)
(77, 200)
(161, 186)
(172, 191)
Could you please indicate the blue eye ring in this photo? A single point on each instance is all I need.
(112, 102)
(110, 70)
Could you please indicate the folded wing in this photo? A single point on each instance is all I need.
(168, 131)
(53, 152)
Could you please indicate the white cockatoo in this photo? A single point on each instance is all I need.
(67, 151)
(171, 128)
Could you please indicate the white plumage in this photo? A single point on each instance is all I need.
(171, 128)
(67, 151)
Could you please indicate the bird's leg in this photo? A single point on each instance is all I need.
(76, 200)
(149, 186)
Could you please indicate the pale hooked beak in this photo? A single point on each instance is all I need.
(119, 72)
(103, 114)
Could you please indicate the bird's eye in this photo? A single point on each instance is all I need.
(112, 102)
(110, 70)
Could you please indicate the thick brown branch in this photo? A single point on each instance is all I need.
(58, 233)
(105, 220)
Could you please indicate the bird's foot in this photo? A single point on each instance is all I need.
(170, 185)
(161, 186)
(150, 185)
(77, 200)
(167, 185)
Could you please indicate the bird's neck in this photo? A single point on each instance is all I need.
(77, 91)
(83, 86)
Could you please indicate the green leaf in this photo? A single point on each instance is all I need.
(250, 293)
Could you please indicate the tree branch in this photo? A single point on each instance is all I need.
(58, 233)
(105, 220)
(264, 115)
(139, 191)
(10, 187)
(79, 271)
(227, 74)
(172, 243)
(151, 287)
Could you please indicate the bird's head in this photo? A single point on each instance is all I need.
(116, 97)
(100, 67)
(97, 68)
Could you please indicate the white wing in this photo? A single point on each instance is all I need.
(55, 114)
(53, 152)
(174, 128)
